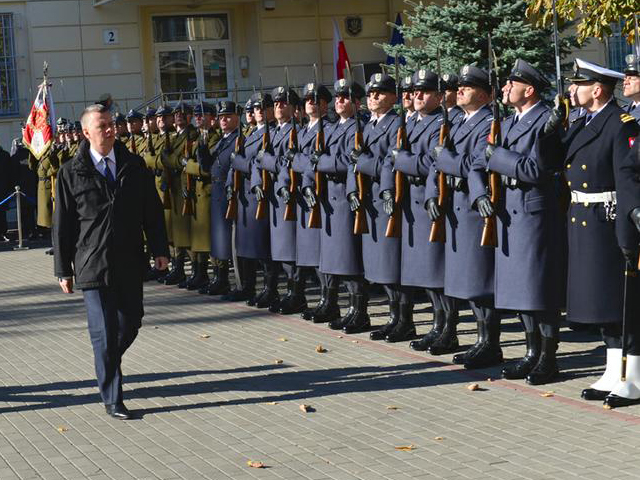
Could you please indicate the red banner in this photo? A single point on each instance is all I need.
(38, 132)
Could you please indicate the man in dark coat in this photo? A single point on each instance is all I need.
(529, 269)
(7, 182)
(252, 235)
(380, 254)
(28, 182)
(105, 202)
(316, 103)
(340, 248)
(603, 178)
(631, 85)
(277, 162)
(468, 266)
(217, 161)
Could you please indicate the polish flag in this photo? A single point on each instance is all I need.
(39, 127)
(340, 57)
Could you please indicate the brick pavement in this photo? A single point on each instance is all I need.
(208, 405)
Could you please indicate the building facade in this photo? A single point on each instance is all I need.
(137, 49)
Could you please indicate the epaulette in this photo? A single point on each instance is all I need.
(625, 117)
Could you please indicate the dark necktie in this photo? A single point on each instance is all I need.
(111, 181)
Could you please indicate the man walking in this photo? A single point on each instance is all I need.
(105, 201)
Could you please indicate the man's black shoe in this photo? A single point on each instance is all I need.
(118, 411)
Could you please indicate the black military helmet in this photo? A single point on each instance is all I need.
(407, 83)
(473, 76)
(184, 108)
(207, 108)
(449, 81)
(119, 118)
(312, 89)
(632, 67)
(133, 115)
(280, 95)
(61, 121)
(526, 73)
(248, 106)
(257, 99)
(150, 112)
(77, 126)
(164, 110)
(342, 88)
(425, 80)
(226, 107)
(592, 72)
(382, 82)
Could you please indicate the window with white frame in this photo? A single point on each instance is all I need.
(9, 104)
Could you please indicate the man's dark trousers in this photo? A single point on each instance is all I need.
(112, 331)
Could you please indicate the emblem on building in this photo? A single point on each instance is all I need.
(353, 25)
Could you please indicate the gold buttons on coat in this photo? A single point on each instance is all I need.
(584, 224)
(584, 167)
(573, 219)
(584, 185)
(586, 204)
(569, 183)
(568, 166)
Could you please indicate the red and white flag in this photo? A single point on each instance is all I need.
(340, 57)
(39, 128)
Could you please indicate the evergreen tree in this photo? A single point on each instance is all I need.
(460, 29)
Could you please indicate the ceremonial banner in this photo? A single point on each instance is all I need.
(340, 57)
(39, 128)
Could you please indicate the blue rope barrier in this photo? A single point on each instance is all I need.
(7, 199)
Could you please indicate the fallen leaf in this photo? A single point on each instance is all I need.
(438, 438)
(354, 341)
(305, 408)
(473, 387)
(62, 429)
(282, 339)
(272, 403)
(339, 336)
(489, 379)
(405, 448)
(606, 407)
(156, 327)
(547, 394)
(321, 349)
(253, 464)
(205, 335)
(278, 361)
(392, 407)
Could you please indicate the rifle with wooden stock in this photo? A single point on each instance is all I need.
(232, 206)
(394, 225)
(187, 192)
(261, 211)
(360, 225)
(290, 207)
(315, 220)
(438, 230)
(490, 229)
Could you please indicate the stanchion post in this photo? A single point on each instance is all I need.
(18, 195)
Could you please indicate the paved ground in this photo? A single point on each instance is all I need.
(219, 384)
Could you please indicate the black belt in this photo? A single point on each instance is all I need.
(337, 177)
(456, 183)
(416, 181)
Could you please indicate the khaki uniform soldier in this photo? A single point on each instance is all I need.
(250, 119)
(121, 127)
(136, 143)
(182, 147)
(154, 142)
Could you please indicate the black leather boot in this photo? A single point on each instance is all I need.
(461, 358)
(489, 352)
(339, 323)
(164, 274)
(405, 328)
(547, 367)
(194, 271)
(283, 300)
(523, 367)
(220, 285)
(447, 342)
(436, 330)
(330, 310)
(176, 275)
(204, 290)
(201, 278)
(296, 302)
(153, 274)
(308, 313)
(360, 321)
(394, 317)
